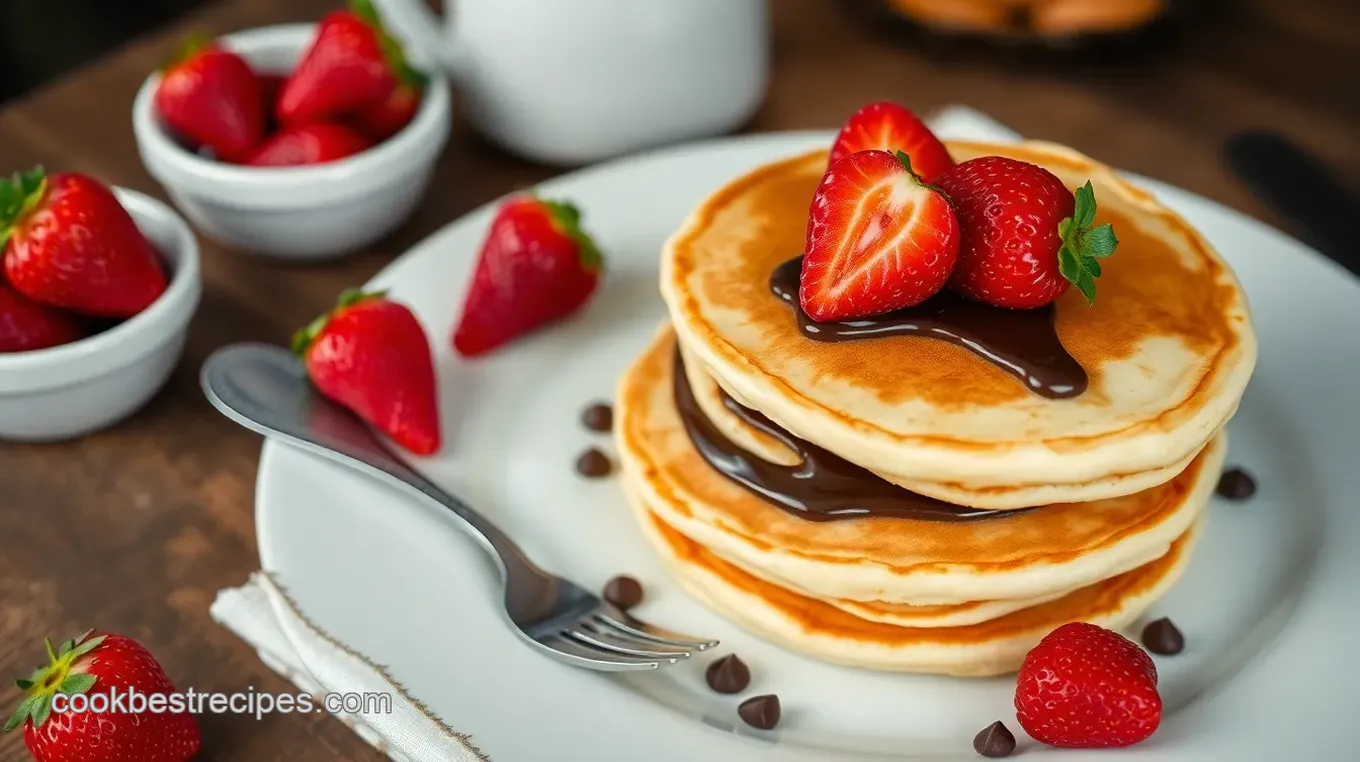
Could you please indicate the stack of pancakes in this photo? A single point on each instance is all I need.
(994, 513)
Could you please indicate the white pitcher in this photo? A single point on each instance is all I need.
(577, 81)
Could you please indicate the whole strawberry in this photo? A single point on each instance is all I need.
(68, 243)
(1026, 238)
(371, 355)
(308, 144)
(889, 127)
(878, 239)
(536, 266)
(353, 64)
(385, 119)
(26, 326)
(124, 676)
(212, 98)
(1084, 686)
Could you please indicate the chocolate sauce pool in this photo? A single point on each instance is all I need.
(822, 487)
(1023, 343)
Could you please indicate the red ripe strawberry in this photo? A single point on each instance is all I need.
(889, 127)
(118, 677)
(212, 98)
(371, 355)
(68, 243)
(352, 64)
(387, 118)
(1084, 686)
(536, 266)
(309, 144)
(878, 239)
(1026, 238)
(26, 325)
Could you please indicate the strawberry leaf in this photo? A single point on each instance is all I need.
(1100, 242)
(567, 218)
(77, 682)
(18, 195)
(392, 50)
(905, 158)
(42, 710)
(304, 337)
(23, 684)
(24, 711)
(1084, 246)
(1085, 212)
(192, 45)
(86, 646)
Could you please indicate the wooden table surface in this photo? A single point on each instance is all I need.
(135, 529)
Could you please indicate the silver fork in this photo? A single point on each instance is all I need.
(265, 389)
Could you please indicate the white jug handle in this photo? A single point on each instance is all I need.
(419, 26)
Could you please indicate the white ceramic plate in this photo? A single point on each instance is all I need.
(402, 585)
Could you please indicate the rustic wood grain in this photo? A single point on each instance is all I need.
(135, 529)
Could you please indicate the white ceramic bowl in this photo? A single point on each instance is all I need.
(300, 213)
(74, 389)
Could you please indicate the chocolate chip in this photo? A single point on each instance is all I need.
(728, 675)
(1236, 484)
(598, 417)
(593, 464)
(760, 712)
(623, 591)
(995, 740)
(1162, 637)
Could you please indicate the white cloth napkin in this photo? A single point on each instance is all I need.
(262, 614)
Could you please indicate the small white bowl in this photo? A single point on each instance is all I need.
(74, 389)
(300, 213)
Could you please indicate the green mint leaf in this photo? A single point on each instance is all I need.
(1099, 242)
(42, 710)
(1068, 264)
(22, 713)
(77, 682)
(1085, 212)
(87, 646)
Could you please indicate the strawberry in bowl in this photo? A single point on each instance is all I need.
(97, 286)
(303, 142)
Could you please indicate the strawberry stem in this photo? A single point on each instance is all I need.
(1083, 245)
(20, 195)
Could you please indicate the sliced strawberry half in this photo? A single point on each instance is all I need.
(886, 126)
(879, 239)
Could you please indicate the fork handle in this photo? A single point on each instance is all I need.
(511, 562)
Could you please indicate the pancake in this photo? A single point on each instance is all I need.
(900, 614)
(816, 629)
(709, 393)
(1053, 549)
(1168, 349)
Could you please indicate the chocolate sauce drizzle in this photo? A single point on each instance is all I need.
(822, 487)
(1023, 343)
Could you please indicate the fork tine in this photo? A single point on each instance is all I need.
(614, 617)
(590, 657)
(602, 637)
